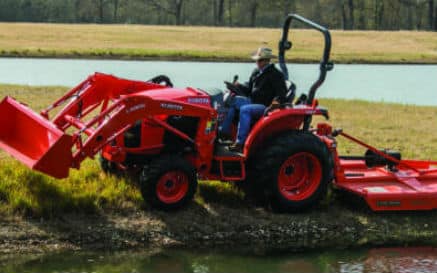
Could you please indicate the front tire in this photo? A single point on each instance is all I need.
(108, 167)
(168, 182)
(294, 170)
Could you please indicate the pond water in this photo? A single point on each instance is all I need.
(407, 84)
(402, 260)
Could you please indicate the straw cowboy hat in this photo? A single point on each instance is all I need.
(263, 53)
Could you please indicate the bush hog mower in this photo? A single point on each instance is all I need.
(170, 135)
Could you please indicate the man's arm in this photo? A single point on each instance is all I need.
(278, 85)
(246, 87)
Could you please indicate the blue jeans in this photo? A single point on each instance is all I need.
(234, 106)
(248, 112)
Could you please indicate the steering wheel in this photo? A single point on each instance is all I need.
(162, 80)
(231, 86)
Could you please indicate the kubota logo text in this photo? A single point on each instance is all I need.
(172, 106)
(135, 108)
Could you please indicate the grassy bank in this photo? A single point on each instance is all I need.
(207, 43)
(411, 129)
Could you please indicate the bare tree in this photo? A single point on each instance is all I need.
(230, 5)
(253, 12)
(435, 18)
(378, 13)
(116, 4)
(419, 7)
(419, 16)
(346, 14)
(220, 12)
(76, 10)
(342, 9)
(351, 14)
(361, 15)
(214, 11)
(101, 10)
(289, 6)
(178, 7)
(431, 14)
(409, 19)
(173, 7)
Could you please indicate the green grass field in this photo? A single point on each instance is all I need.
(208, 43)
(411, 129)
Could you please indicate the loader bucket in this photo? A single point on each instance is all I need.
(34, 140)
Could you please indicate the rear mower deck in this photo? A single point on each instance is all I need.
(385, 189)
(398, 185)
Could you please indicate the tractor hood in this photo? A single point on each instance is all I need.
(186, 95)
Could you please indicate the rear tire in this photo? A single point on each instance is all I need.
(294, 171)
(168, 182)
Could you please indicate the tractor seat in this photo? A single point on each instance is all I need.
(289, 98)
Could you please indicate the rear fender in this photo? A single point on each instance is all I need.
(269, 126)
(277, 122)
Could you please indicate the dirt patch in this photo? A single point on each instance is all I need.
(219, 227)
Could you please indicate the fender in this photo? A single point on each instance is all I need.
(277, 122)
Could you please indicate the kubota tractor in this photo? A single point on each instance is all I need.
(170, 136)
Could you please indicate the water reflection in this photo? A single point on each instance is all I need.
(399, 260)
(402, 260)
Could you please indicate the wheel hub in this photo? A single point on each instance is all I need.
(299, 176)
(172, 187)
(169, 184)
(289, 170)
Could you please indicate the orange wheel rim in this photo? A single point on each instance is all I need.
(172, 187)
(299, 176)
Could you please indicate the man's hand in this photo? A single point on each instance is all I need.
(232, 87)
(273, 106)
(229, 85)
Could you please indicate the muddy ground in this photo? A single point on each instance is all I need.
(216, 226)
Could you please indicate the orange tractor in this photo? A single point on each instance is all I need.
(169, 135)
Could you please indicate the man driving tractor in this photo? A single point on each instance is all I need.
(265, 89)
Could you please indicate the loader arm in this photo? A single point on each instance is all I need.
(97, 90)
(94, 113)
(123, 114)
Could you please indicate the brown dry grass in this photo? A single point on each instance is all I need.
(170, 42)
(410, 129)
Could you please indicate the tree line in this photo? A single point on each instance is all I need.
(337, 14)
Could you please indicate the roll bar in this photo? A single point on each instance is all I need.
(325, 64)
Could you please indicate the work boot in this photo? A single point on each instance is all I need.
(236, 147)
(222, 137)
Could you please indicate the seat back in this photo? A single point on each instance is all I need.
(291, 91)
